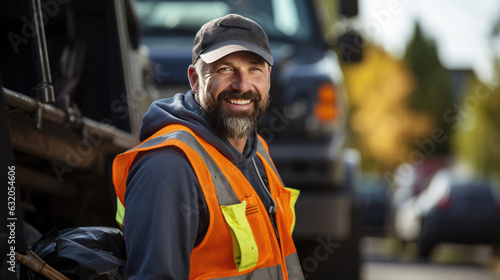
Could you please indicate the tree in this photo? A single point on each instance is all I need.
(432, 92)
(478, 123)
(478, 128)
(328, 13)
(383, 126)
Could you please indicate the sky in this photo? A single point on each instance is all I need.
(460, 28)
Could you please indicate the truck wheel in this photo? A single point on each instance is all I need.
(323, 257)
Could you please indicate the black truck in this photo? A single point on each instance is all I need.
(74, 86)
(76, 79)
(305, 125)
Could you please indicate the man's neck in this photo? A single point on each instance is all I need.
(239, 144)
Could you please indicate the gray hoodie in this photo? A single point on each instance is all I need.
(166, 213)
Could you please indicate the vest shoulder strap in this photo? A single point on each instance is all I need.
(194, 150)
(263, 151)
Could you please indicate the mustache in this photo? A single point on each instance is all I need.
(233, 94)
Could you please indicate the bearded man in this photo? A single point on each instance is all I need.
(203, 199)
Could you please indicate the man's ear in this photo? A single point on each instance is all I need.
(269, 77)
(193, 78)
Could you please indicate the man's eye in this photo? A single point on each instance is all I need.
(223, 69)
(255, 69)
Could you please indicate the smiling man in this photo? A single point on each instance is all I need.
(202, 197)
(234, 94)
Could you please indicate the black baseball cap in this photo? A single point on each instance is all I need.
(231, 33)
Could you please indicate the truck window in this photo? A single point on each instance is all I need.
(282, 19)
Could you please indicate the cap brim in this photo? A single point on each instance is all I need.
(218, 51)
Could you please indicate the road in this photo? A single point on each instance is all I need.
(376, 270)
(448, 262)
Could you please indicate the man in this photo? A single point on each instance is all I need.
(202, 197)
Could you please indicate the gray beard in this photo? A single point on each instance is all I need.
(234, 127)
(231, 126)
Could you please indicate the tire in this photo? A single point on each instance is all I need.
(324, 258)
(425, 250)
(426, 242)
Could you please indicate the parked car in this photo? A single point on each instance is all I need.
(454, 208)
(411, 179)
(374, 196)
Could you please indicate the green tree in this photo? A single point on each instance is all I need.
(478, 122)
(327, 11)
(432, 93)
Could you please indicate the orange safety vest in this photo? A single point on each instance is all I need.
(240, 242)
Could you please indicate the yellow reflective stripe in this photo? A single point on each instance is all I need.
(294, 195)
(120, 212)
(245, 249)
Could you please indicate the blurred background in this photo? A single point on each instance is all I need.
(429, 67)
(422, 104)
(383, 115)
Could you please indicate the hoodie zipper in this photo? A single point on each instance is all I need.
(272, 208)
(272, 217)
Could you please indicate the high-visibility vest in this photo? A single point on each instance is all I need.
(241, 241)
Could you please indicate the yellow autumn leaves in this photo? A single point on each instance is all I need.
(383, 125)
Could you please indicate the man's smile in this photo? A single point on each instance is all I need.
(239, 101)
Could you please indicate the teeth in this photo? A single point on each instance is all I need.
(239, 101)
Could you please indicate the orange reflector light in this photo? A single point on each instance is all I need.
(326, 109)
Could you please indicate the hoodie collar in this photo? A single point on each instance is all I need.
(185, 110)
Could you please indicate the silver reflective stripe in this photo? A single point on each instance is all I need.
(262, 150)
(293, 267)
(265, 273)
(225, 193)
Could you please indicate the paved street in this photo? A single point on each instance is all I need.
(385, 261)
(376, 270)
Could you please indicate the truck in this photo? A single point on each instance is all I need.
(74, 84)
(77, 76)
(306, 121)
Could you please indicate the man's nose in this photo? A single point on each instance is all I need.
(241, 82)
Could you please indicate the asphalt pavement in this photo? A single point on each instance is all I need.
(387, 259)
(373, 270)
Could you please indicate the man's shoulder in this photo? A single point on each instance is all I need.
(164, 159)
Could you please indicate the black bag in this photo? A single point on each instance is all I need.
(83, 253)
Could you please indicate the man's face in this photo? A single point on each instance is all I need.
(235, 93)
